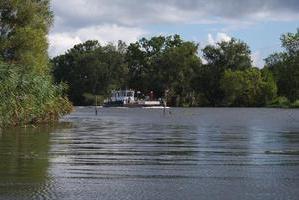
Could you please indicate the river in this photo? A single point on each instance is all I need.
(148, 154)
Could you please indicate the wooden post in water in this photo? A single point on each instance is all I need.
(165, 101)
(96, 104)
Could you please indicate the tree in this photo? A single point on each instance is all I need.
(285, 66)
(23, 33)
(290, 41)
(90, 68)
(163, 63)
(247, 88)
(178, 68)
(28, 94)
(232, 55)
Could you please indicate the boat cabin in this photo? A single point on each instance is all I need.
(125, 96)
(130, 98)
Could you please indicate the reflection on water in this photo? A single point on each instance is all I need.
(25, 162)
(147, 154)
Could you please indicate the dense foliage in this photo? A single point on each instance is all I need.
(285, 67)
(29, 98)
(164, 64)
(250, 87)
(27, 92)
(173, 69)
(232, 55)
(90, 68)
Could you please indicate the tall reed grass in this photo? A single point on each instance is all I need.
(28, 98)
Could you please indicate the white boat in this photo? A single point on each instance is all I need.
(127, 98)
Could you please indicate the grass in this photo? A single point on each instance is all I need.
(29, 98)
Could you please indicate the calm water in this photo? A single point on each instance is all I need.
(205, 153)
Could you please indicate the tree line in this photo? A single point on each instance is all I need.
(27, 90)
(223, 76)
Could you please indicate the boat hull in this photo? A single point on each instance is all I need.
(114, 104)
(147, 104)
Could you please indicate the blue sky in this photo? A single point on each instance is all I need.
(259, 23)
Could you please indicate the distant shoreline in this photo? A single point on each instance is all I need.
(92, 106)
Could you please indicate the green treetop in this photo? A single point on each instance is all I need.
(24, 26)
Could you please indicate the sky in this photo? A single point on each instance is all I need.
(259, 23)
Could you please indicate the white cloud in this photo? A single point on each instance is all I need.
(109, 20)
(257, 59)
(60, 42)
(211, 40)
(223, 37)
(218, 38)
(140, 12)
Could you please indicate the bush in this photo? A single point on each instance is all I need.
(280, 102)
(29, 98)
(295, 104)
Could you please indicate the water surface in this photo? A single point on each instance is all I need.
(202, 153)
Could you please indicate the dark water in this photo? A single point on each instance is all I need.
(205, 153)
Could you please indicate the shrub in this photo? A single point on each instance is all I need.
(280, 102)
(295, 104)
(29, 97)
